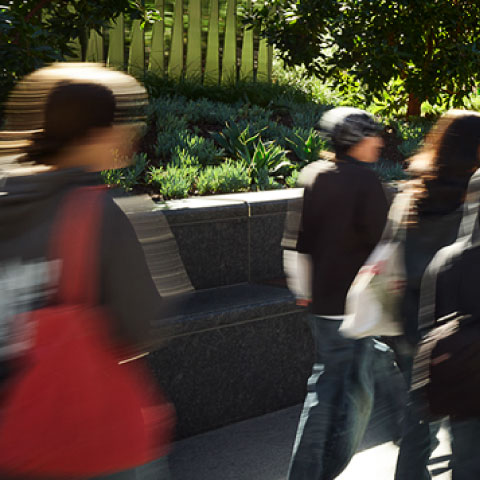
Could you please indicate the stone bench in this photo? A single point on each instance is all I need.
(238, 352)
(240, 347)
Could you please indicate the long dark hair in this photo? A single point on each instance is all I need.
(71, 112)
(443, 167)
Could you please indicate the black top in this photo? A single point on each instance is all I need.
(342, 219)
(431, 232)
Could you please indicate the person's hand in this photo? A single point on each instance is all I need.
(303, 302)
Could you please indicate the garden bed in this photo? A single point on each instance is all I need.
(259, 140)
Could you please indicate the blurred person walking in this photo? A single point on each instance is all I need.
(73, 276)
(441, 172)
(342, 218)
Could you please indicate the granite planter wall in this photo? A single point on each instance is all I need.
(228, 239)
(239, 345)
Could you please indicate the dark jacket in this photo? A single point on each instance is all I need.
(342, 219)
(424, 238)
(28, 207)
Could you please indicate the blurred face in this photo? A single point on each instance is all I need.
(106, 148)
(120, 144)
(367, 150)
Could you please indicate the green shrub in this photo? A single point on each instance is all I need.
(173, 181)
(317, 91)
(166, 143)
(277, 132)
(390, 173)
(306, 145)
(161, 108)
(305, 119)
(183, 158)
(473, 101)
(172, 123)
(171, 132)
(267, 157)
(409, 146)
(261, 93)
(412, 134)
(237, 143)
(292, 180)
(128, 177)
(203, 110)
(203, 149)
(253, 113)
(264, 181)
(228, 177)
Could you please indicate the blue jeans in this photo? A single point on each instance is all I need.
(337, 406)
(419, 437)
(156, 470)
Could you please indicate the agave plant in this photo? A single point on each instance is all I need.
(306, 147)
(127, 177)
(238, 144)
(267, 158)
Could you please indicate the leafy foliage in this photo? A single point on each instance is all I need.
(228, 177)
(412, 134)
(267, 159)
(292, 180)
(430, 47)
(35, 32)
(390, 172)
(237, 143)
(203, 149)
(126, 178)
(261, 94)
(306, 145)
(174, 181)
(265, 182)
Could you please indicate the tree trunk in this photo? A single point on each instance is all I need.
(414, 106)
(83, 38)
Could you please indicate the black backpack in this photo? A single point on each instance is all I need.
(446, 371)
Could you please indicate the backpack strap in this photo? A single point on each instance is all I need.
(397, 216)
(75, 240)
(469, 228)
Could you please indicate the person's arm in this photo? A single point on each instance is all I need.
(298, 270)
(127, 286)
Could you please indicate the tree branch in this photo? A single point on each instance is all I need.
(36, 9)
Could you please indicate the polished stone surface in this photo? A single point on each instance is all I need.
(265, 251)
(237, 360)
(195, 210)
(214, 253)
(228, 239)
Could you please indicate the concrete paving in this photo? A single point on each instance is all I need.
(259, 449)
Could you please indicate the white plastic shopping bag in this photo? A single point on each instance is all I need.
(374, 299)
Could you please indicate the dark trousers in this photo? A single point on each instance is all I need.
(338, 404)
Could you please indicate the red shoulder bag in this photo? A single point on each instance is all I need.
(72, 411)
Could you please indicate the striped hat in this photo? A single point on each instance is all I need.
(346, 126)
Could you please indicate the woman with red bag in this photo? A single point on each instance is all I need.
(76, 295)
